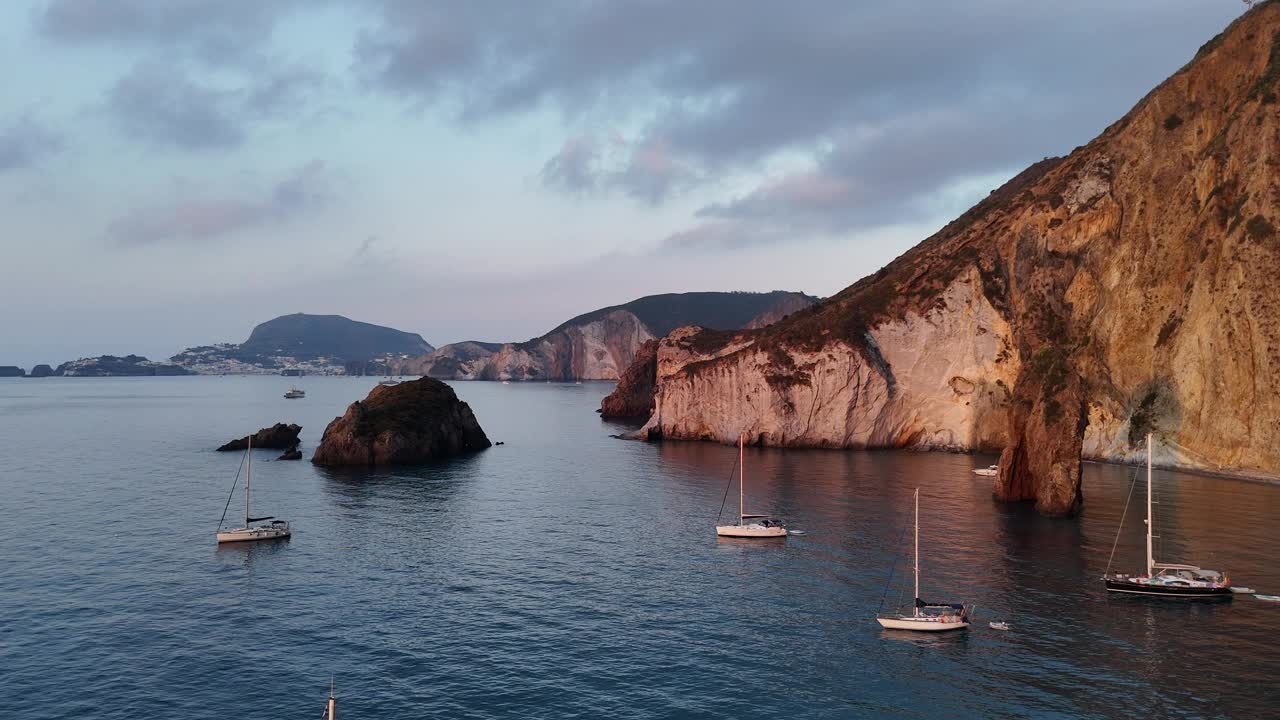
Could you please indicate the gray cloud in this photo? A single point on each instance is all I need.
(225, 31)
(890, 101)
(24, 143)
(576, 167)
(194, 219)
(161, 103)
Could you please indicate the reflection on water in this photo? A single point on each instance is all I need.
(567, 573)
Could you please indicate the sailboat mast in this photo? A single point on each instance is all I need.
(915, 604)
(741, 491)
(248, 474)
(1151, 559)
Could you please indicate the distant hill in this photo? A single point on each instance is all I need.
(307, 337)
(312, 344)
(714, 310)
(600, 344)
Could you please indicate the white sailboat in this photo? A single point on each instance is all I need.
(765, 528)
(273, 529)
(1171, 580)
(925, 616)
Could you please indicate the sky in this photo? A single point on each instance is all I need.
(173, 172)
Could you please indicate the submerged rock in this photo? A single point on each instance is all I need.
(292, 453)
(276, 437)
(402, 424)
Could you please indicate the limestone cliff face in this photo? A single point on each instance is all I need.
(1127, 287)
(600, 345)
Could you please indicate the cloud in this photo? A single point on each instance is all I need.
(194, 219)
(575, 167)
(724, 235)
(225, 31)
(888, 103)
(161, 103)
(24, 142)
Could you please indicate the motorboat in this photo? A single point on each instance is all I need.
(989, 471)
(295, 393)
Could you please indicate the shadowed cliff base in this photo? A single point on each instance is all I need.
(1125, 286)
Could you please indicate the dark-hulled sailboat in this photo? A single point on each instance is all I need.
(1171, 580)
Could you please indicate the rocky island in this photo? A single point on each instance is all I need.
(404, 424)
(1124, 288)
(118, 366)
(277, 437)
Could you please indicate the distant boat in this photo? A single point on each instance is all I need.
(925, 616)
(388, 382)
(989, 471)
(765, 528)
(506, 382)
(273, 530)
(1170, 580)
(998, 625)
(295, 393)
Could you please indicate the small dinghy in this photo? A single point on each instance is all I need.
(999, 625)
(1272, 598)
(1242, 590)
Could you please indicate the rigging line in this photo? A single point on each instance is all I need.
(892, 568)
(233, 491)
(1122, 516)
(728, 485)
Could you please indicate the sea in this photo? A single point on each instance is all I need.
(570, 574)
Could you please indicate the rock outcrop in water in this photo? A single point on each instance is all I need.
(600, 345)
(277, 437)
(11, 371)
(1127, 287)
(409, 423)
(41, 371)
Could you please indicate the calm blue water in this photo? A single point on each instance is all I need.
(568, 574)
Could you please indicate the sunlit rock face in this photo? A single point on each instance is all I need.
(1128, 287)
(602, 344)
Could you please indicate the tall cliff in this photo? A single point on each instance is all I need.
(599, 345)
(1124, 288)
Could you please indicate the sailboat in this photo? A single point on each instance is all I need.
(765, 528)
(273, 530)
(925, 616)
(1165, 579)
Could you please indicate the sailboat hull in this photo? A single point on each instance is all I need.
(1168, 591)
(253, 534)
(923, 623)
(750, 531)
